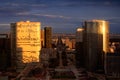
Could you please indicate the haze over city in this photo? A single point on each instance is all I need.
(64, 16)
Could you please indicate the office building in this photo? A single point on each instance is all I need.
(79, 34)
(26, 44)
(48, 37)
(96, 39)
(42, 38)
(5, 52)
(79, 47)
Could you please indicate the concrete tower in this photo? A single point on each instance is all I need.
(48, 37)
(42, 38)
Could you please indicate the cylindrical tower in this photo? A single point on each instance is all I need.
(96, 38)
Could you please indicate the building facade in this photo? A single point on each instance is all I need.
(42, 38)
(5, 52)
(26, 44)
(96, 42)
(79, 47)
(79, 34)
(48, 37)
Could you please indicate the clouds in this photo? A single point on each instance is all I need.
(12, 9)
(19, 6)
(15, 6)
(64, 14)
(80, 3)
(52, 16)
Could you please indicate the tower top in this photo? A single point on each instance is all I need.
(96, 20)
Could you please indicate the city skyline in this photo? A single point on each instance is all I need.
(62, 15)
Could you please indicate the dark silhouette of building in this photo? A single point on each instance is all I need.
(79, 55)
(61, 55)
(113, 66)
(79, 48)
(5, 51)
(48, 37)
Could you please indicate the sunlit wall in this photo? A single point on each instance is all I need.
(96, 39)
(27, 42)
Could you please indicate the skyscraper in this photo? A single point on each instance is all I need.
(5, 51)
(48, 37)
(79, 47)
(26, 43)
(79, 34)
(96, 39)
(42, 38)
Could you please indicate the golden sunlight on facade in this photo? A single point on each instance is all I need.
(104, 28)
(26, 42)
(96, 42)
(105, 36)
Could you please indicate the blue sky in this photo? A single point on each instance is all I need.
(64, 16)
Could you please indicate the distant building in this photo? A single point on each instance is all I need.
(114, 43)
(26, 44)
(5, 52)
(46, 55)
(68, 43)
(73, 41)
(68, 39)
(48, 37)
(96, 41)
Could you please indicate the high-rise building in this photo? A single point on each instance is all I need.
(4, 51)
(48, 37)
(26, 43)
(79, 34)
(96, 39)
(42, 38)
(79, 47)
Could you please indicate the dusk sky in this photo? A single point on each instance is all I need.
(64, 16)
